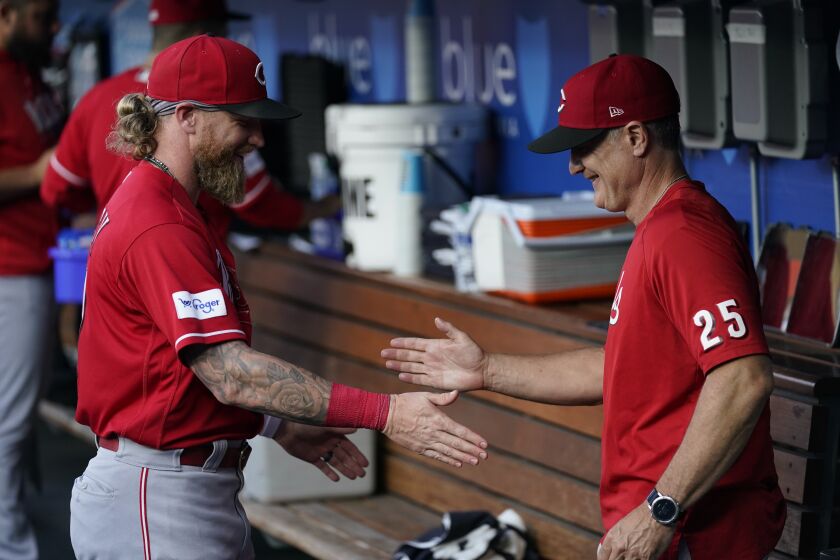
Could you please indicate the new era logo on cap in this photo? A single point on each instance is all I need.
(608, 94)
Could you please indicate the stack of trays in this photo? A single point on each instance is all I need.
(548, 249)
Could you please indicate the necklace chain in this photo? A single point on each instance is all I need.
(671, 184)
(160, 165)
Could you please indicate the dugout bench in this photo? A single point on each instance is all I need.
(544, 460)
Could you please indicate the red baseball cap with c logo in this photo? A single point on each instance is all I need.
(215, 71)
(608, 94)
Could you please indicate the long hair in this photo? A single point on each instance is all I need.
(134, 131)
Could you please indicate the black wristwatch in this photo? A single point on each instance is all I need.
(664, 509)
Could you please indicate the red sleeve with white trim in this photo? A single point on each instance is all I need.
(178, 278)
(265, 205)
(705, 280)
(66, 182)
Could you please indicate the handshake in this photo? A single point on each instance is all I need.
(415, 420)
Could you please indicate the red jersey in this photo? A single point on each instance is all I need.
(158, 280)
(687, 301)
(30, 118)
(82, 164)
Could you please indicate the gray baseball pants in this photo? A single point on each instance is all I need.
(139, 502)
(26, 311)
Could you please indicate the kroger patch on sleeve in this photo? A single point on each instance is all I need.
(203, 305)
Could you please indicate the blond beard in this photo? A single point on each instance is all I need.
(220, 173)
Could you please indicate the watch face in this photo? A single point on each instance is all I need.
(664, 510)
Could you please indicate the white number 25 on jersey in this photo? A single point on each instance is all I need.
(706, 320)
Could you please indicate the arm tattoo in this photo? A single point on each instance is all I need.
(238, 375)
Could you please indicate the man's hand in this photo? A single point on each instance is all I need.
(454, 362)
(415, 422)
(24, 180)
(311, 443)
(636, 536)
(39, 167)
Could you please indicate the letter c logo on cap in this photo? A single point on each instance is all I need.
(259, 74)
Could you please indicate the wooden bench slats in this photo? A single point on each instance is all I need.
(799, 535)
(361, 534)
(552, 446)
(797, 424)
(588, 420)
(547, 444)
(795, 382)
(575, 320)
(402, 311)
(534, 486)
(322, 538)
(389, 515)
(801, 347)
(364, 342)
(809, 379)
(558, 540)
(798, 476)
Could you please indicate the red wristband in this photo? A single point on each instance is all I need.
(355, 408)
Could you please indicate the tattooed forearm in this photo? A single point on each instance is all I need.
(238, 375)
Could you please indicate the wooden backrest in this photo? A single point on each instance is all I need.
(545, 459)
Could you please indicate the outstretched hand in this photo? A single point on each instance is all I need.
(416, 423)
(454, 362)
(314, 443)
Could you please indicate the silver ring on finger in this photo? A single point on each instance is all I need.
(327, 456)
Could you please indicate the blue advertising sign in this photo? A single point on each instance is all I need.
(131, 35)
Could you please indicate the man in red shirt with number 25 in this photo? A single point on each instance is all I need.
(687, 464)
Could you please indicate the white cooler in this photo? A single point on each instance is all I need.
(370, 141)
(272, 475)
(548, 249)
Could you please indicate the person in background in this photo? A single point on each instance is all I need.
(30, 118)
(83, 174)
(687, 465)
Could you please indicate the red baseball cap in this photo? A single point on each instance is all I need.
(609, 94)
(163, 12)
(215, 71)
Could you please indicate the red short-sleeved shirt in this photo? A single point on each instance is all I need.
(83, 174)
(687, 301)
(158, 280)
(30, 118)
